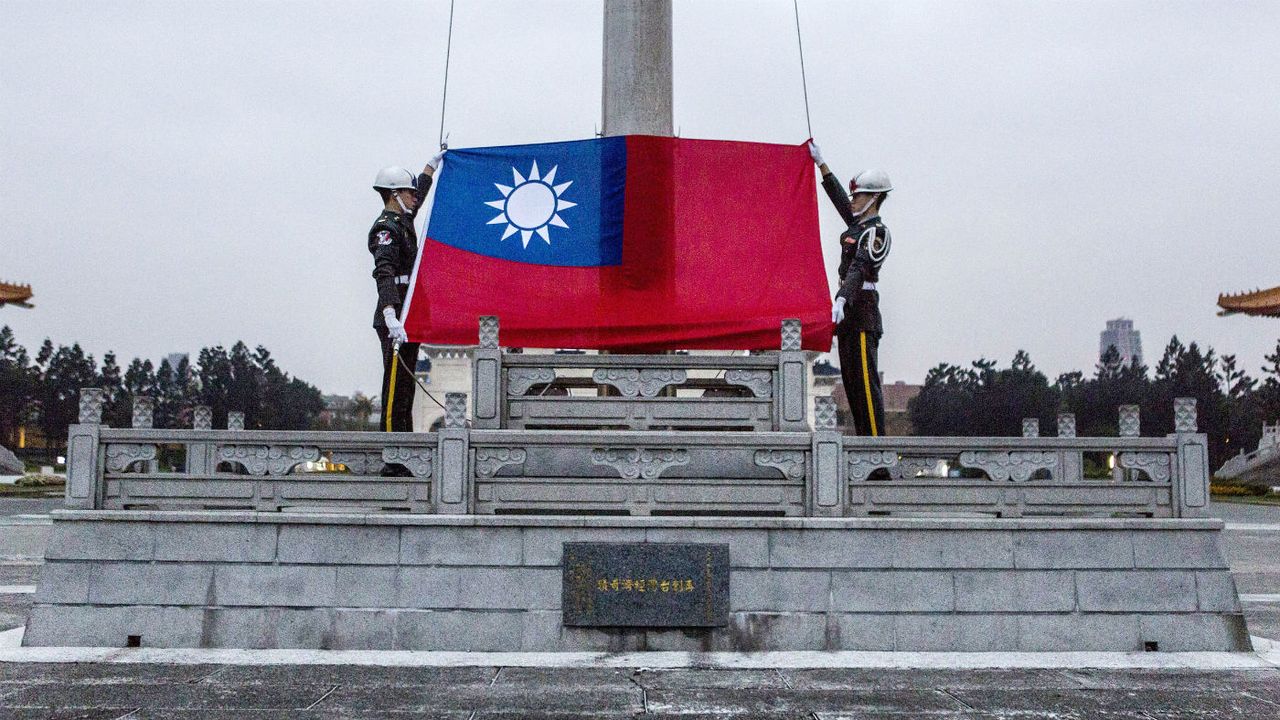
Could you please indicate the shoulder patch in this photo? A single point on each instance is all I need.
(384, 237)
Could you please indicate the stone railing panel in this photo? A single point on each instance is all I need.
(1156, 466)
(759, 382)
(520, 380)
(418, 460)
(758, 392)
(464, 469)
(267, 459)
(121, 456)
(1016, 465)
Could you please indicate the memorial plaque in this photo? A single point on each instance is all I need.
(646, 584)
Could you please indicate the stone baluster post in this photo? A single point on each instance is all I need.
(1130, 426)
(144, 411)
(793, 381)
(454, 474)
(235, 420)
(1066, 425)
(200, 455)
(1070, 462)
(91, 400)
(84, 453)
(1191, 465)
(1030, 427)
(828, 486)
(1130, 421)
(487, 387)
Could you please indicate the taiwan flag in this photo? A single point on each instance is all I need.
(634, 243)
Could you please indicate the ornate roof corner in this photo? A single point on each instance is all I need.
(14, 294)
(1259, 303)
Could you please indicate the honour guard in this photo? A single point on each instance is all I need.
(864, 245)
(394, 246)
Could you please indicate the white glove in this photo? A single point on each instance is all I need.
(436, 159)
(395, 328)
(837, 311)
(815, 152)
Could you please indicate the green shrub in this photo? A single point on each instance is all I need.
(38, 480)
(1234, 490)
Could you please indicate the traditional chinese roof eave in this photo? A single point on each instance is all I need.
(1264, 303)
(13, 294)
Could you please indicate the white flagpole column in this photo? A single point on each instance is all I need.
(636, 97)
(637, 67)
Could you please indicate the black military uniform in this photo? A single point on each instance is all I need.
(394, 246)
(863, 249)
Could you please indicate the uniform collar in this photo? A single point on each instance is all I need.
(393, 215)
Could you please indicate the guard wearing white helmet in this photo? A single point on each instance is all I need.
(394, 246)
(864, 245)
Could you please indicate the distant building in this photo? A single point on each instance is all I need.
(334, 407)
(1127, 341)
(441, 369)
(175, 359)
(897, 396)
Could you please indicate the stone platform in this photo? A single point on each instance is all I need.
(455, 540)
(494, 583)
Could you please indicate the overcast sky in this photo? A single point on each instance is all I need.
(182, 174)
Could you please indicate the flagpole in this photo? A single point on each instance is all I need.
(636, 79)
(636, 97)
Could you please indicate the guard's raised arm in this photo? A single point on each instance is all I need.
(831, 184)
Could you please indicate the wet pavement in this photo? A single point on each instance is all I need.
(207, 692)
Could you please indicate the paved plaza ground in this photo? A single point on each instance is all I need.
(226, 689)
(306, 693)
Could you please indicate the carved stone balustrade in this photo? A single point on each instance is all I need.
(760, 392)
(577, 471)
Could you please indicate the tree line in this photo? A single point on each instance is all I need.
(43, 391)
(985, 400)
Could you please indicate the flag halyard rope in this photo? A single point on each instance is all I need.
(444, 95)
(804, 81)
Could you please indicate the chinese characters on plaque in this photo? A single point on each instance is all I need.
(641, 585)
(664, 585)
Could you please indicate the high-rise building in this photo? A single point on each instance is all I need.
(1127, 341)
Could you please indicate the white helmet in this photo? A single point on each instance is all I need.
(394, 178)
(871, 181)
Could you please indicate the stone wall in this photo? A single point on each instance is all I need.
(493, 583)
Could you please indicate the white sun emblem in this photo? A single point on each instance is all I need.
(531, 205)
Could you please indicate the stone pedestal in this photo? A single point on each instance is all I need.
(494, 583)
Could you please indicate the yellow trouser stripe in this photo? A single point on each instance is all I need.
(866, 384)
(391, 387)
